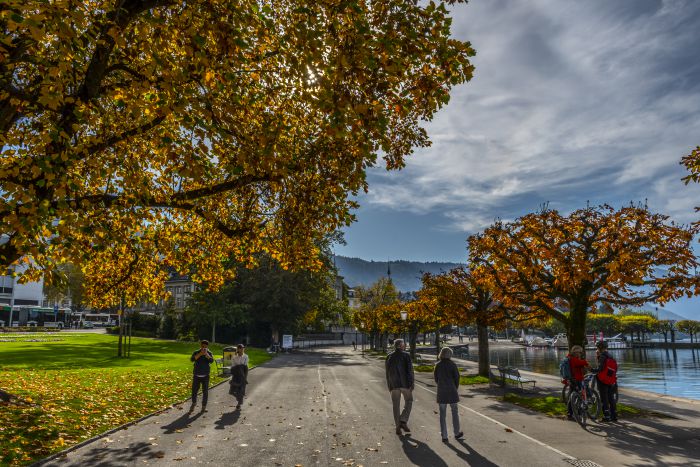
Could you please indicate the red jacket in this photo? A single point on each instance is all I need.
(577, 366)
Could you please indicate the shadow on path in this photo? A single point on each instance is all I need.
(471, 457)
(108, 457)
(227, 419)
(184, 421)
(420, 453)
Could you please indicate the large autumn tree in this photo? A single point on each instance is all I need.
(468, 293)
(565, 265)
(375, 301)
(140, 134)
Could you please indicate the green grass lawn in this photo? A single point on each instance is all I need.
(464, 380)
(553, 406)
(74, 387)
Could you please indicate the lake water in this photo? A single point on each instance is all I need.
(664, 371)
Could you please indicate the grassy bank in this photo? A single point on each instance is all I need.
(72, 387)
(553, 406)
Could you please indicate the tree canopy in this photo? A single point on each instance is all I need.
(565, 265)
(143, 134)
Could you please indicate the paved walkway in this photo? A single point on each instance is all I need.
(331, 407)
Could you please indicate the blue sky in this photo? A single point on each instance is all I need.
(571, 102)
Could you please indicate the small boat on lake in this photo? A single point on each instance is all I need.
(560, 341)
(538, 342)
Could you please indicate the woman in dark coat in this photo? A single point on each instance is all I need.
(446, 376)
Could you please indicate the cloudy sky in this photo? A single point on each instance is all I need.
(571, 102)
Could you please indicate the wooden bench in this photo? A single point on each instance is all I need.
(511, 375)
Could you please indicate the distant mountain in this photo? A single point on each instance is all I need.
(405, 274)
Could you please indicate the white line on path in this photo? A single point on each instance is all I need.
(323, 390)
(512, 429)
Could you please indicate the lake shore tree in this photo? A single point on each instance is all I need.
(565, 266)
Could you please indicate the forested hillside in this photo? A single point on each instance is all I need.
(405, 274)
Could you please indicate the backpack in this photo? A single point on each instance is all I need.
(608, 373)
(565, 369)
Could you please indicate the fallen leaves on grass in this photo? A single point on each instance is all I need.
(74, 405)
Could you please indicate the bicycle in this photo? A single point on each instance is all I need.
(584, 403)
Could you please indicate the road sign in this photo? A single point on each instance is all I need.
(287, 341)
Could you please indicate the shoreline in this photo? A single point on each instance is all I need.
(553, 380)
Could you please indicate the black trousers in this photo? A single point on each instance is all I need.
(607, 397)
(198, 381)
(239, 393)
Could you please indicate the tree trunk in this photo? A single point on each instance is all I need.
(213, 330)
(121, 327)
(673, 336)
(413, 337)
(437, 341)
(482, 333)
(666, 337)
(576, 327)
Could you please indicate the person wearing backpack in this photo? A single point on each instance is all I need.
(607, 380)
(576, 363)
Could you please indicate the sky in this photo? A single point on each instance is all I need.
(571, 102)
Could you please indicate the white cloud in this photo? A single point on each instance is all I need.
(571, 101)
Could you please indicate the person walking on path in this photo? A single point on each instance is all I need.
(239, 374)
(577, 363)
(202, 359)
(607, 391)
(354, 345)
(446, 375)
(400, 380)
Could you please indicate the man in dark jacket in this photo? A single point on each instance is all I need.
(399, 378)
(202, 359)
(607, 391)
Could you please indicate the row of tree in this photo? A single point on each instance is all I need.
(546, 266)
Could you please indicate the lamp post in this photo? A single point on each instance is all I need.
(362, 326)
(404, 317)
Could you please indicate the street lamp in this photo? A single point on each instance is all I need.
(404, 317)
(362, 326)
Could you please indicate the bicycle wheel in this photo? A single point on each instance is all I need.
(578, 407)
(594, 406)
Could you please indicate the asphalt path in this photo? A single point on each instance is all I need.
(322, 407)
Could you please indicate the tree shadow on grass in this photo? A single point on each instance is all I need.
(182, 422)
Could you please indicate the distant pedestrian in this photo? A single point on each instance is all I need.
(399, 379)
(607, 381)
(354, 345)
(202, 359)
(239, 374)
(446, 375)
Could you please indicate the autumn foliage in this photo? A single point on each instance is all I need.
(564, 266)
(144, 134)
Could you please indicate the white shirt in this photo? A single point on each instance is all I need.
(239, 360)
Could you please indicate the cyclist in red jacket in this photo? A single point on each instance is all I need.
(578, 363)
